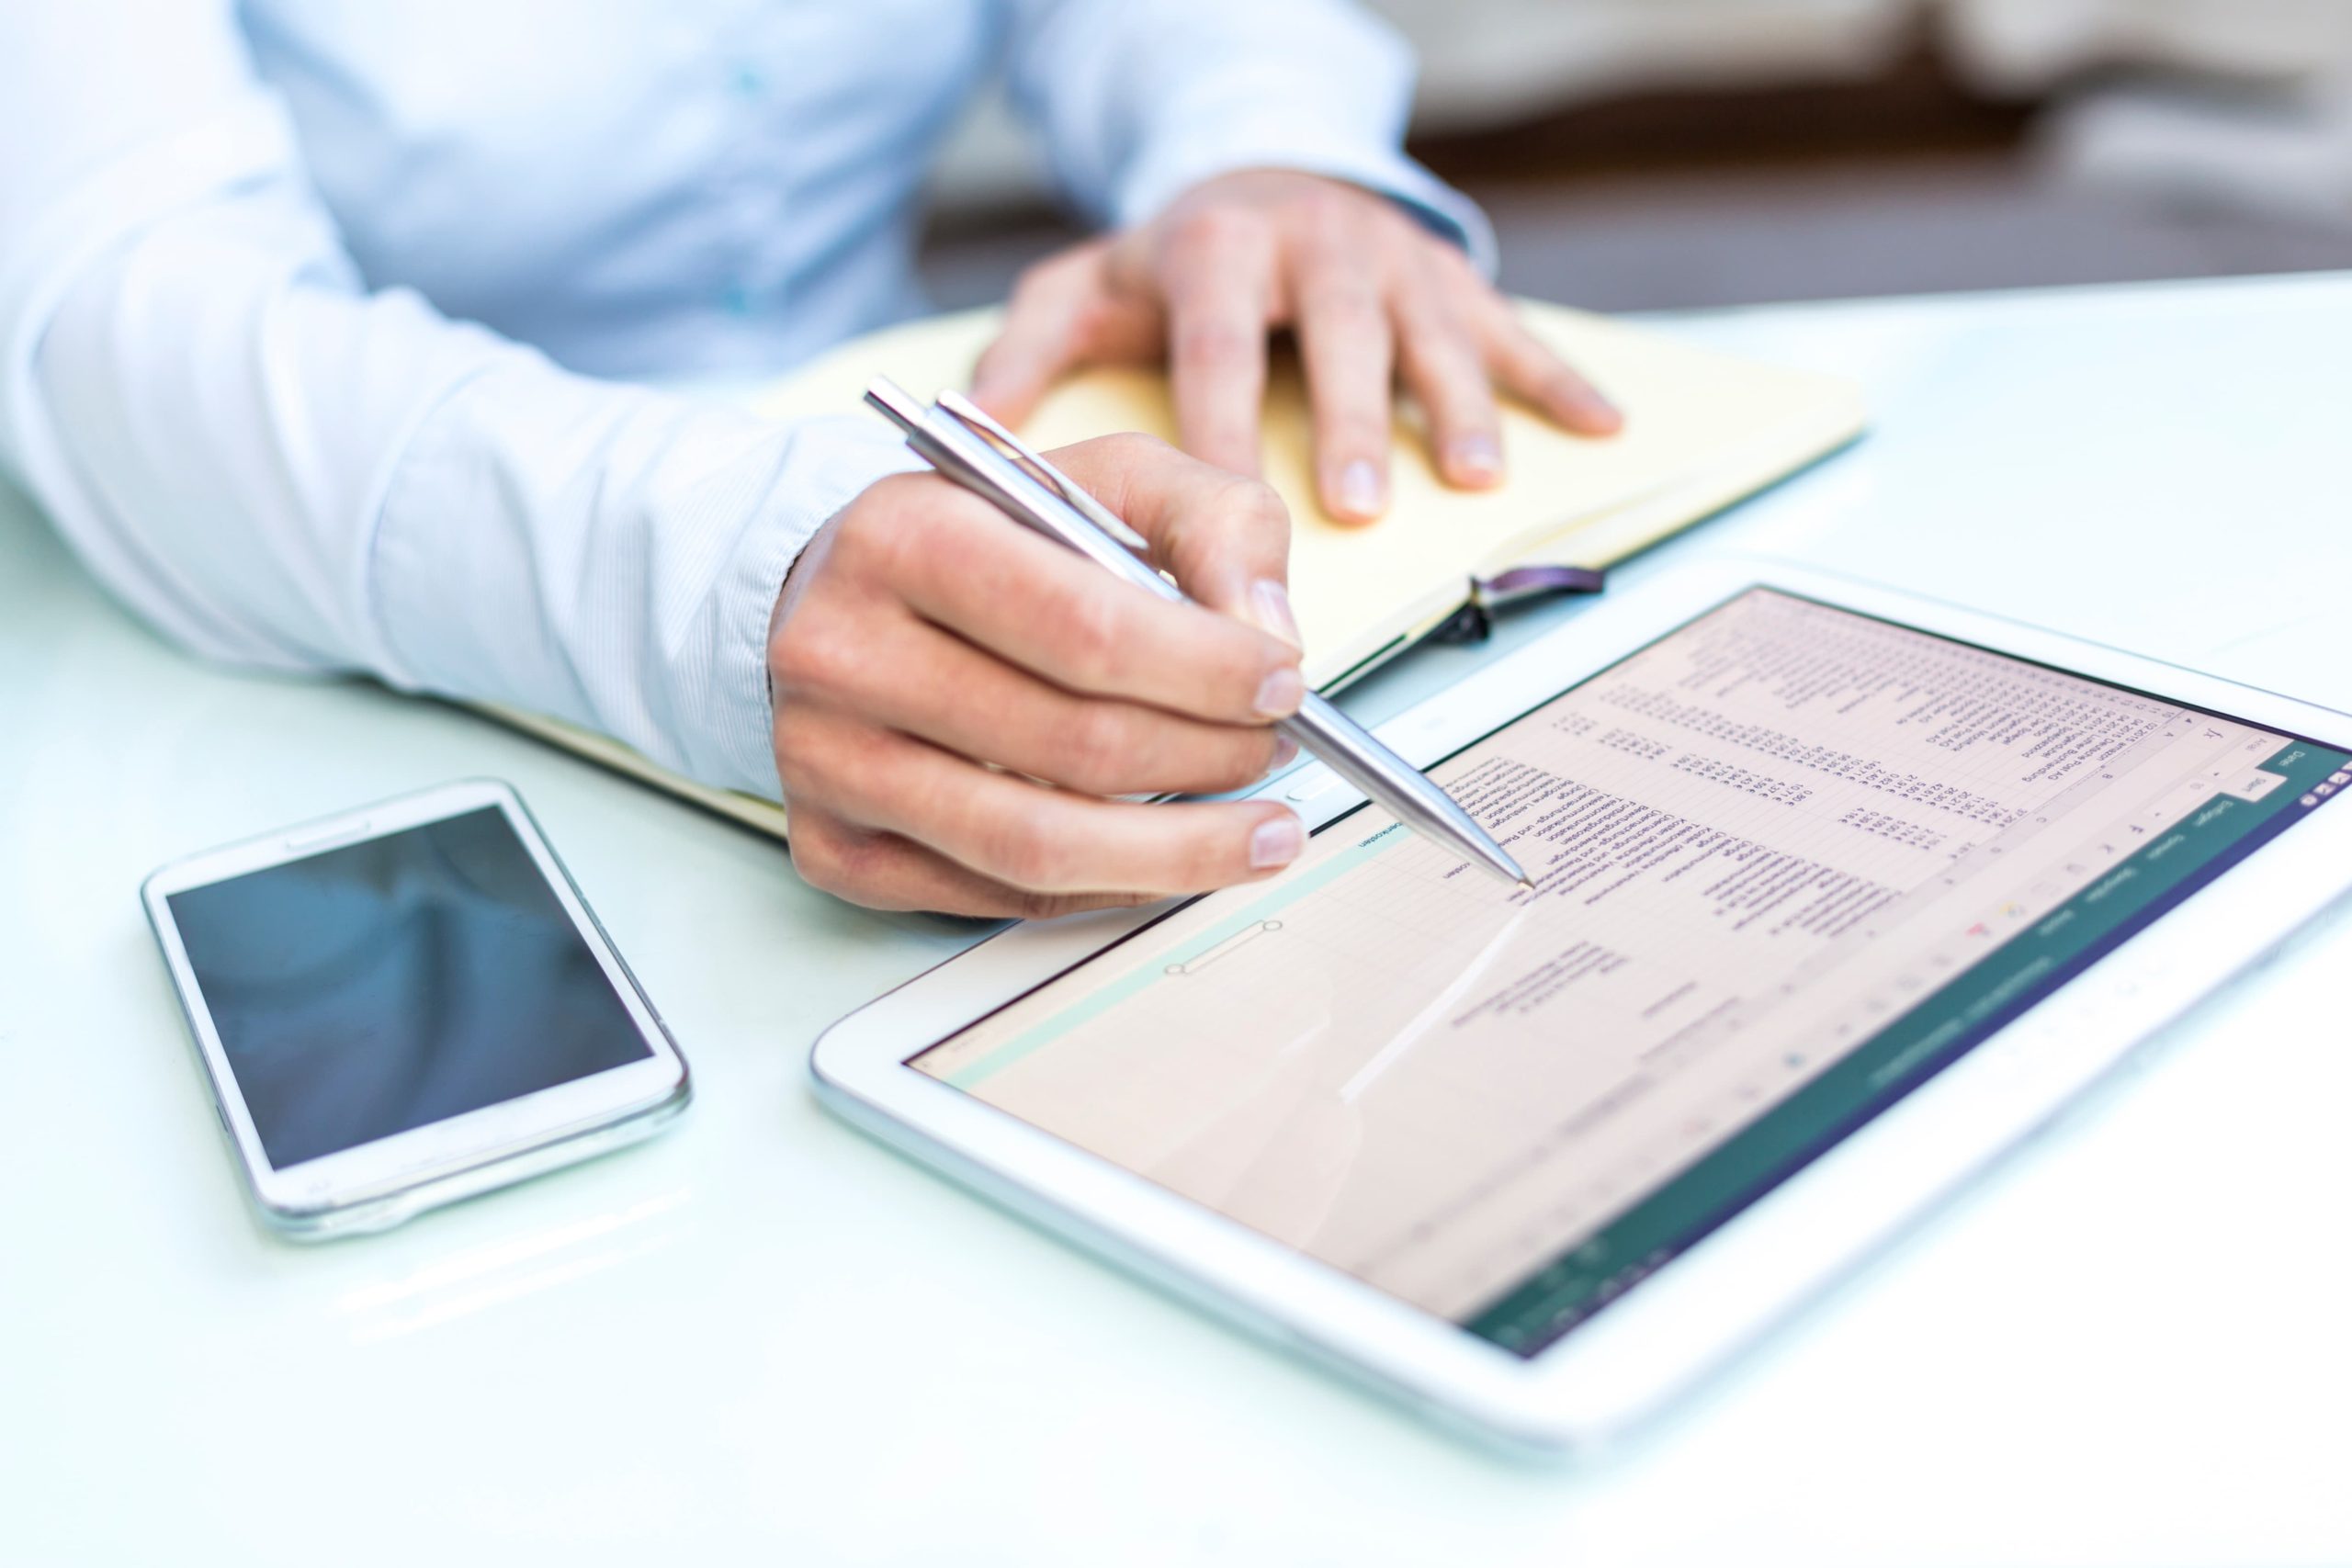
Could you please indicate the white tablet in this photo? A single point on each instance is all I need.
(1839, 893)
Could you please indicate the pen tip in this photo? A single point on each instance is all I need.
(1527, 884)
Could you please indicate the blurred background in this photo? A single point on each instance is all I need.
(1658, 153)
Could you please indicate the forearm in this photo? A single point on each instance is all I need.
(276, 467)
(610, 555)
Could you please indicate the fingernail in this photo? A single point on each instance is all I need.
(1600, 411)
(1273, 603)
(1476, 458)
(1281, 692)
(1285, 753)
(1276, 841)
(1361, 489)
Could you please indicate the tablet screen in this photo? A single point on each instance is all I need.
(1790, 863)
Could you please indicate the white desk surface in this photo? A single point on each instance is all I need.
(766, 1338)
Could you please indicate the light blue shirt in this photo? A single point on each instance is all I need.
(319, 322)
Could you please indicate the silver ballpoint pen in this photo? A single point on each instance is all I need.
(955, 436)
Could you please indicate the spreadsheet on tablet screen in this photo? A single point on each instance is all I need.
(1790, 862)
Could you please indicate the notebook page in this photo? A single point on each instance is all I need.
(1696, 419)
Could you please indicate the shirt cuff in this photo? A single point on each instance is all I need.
(1164, 173)
(832, 461)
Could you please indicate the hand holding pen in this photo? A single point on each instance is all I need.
(962, 442)
(930, 659)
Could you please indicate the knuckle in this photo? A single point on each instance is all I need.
(1242, 763)
(1119, 467)
(1220, 228)
(863, 534)
(1023, 852)
(1332, 222)
(800, 755)
(1455, 305)
(1362, 312)
(1131, 449)
(1448, 264)
(1471, 408)
(1254, 506)
(793, 773)
(911, 513)
(885, 503)
(1205, 857)
(1088, 635)
(1096, 749)
(1456, 420)
(1456, 397)
(1435, 338)
(863, 863)
(1349, 428)
(1560, 384)
(1212, 865)
(812, 862)
(790, 659)
(1213, 344)
(807, 654)
(824, 859)
(1450, 355)
(1094, 322)
(1232, 669)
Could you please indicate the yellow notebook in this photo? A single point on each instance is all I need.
(1702, 430)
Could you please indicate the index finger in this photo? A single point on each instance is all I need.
(1029, 601)
(1226, 539)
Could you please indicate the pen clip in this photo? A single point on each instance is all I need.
(982, 425)
(921, 425)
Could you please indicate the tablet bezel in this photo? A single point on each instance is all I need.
(1738, 1280)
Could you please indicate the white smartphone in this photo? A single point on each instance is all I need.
(406, 1005)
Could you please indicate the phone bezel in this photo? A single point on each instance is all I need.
(310, 1195)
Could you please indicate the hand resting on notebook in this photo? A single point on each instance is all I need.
(954, 697)
(1372, 296)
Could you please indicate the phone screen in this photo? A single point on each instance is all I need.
(386, 984)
